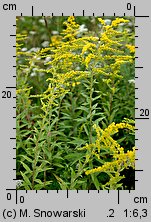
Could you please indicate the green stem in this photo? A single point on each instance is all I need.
(36, 153)
(59, 112)
(46, 24)
(111, 96)
(91, 93)
(42, 127)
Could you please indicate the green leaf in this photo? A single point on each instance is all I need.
(86, 130)
(63, 184)
(74, 157)
(97, 121)
(58, 165)
(27, 183)
(112, 116)
(28, 170)
(95, 181)
(83, 108)
(73, 175)
(94, 106)
(38, 186)
(95, 98)
(26, 158)
(77, 141)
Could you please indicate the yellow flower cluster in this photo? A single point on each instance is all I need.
(112, 48)
(19, 91)
(88, 59)
(56, 40)
(89, 46)
(121, 162)
(65, 77)
(72, 28)
(117, 21)
(107, 40)
(131, 48)
(104, 141)
(101, 21)
(69, 52)
(104, 137)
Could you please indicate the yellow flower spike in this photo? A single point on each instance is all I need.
(56, 40)
(98, 145)
(88, 46)
(71, 19)
(88, 59)
(101, 21)
(107, 40)
(87, 157)
(117, 21)
(120, 159)
(18, 91)
(72, 28)
(98, 130)
(131, 48)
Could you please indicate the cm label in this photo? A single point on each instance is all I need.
(9, 7)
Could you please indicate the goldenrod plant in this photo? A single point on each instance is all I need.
(75, 103)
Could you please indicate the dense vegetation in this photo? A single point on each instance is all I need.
(75, 103)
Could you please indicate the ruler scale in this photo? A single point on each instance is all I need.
(75, 205)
